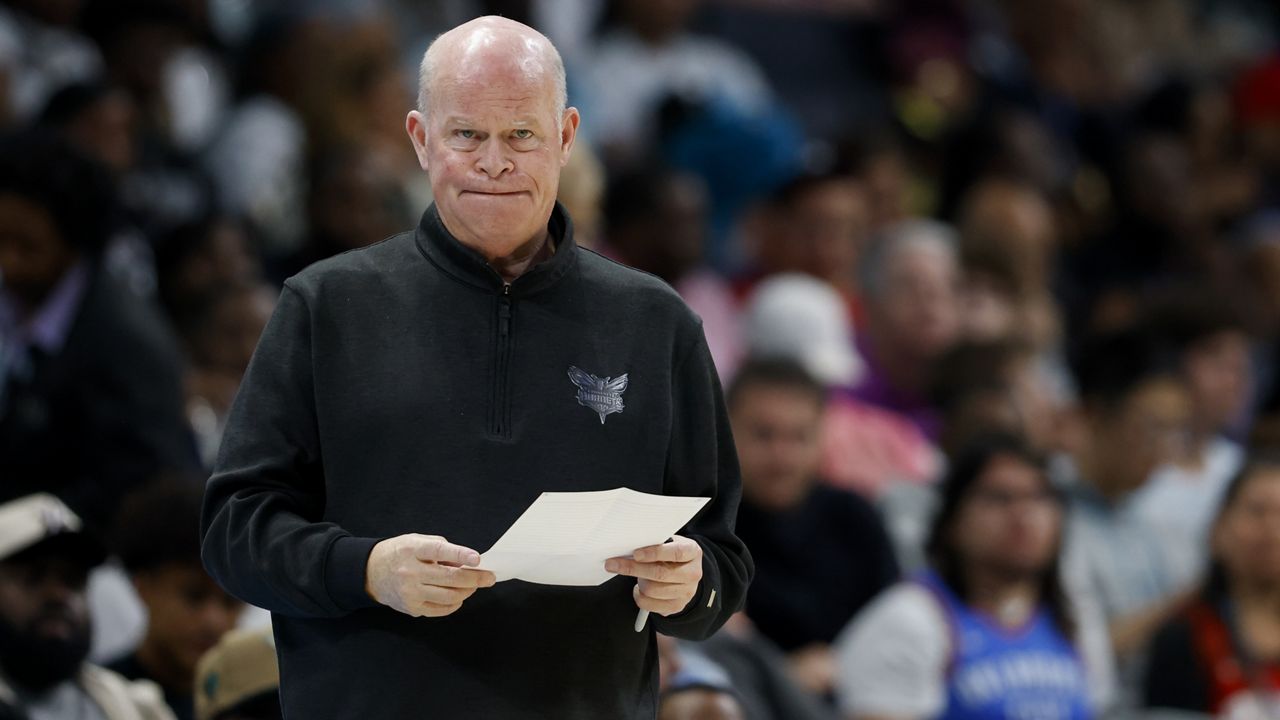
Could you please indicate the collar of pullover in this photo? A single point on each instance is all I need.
(468, 266)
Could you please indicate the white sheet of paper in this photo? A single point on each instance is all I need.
(565, 537)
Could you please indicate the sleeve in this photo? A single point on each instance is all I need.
(892, 659)
(262, 535)
(703, 462)
(1094, 642)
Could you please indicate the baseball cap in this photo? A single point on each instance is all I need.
(804, 319)
(40, 520)
(240, 668)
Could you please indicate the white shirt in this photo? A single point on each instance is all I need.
(629, 78)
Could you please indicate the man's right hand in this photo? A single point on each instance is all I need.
(422, 575)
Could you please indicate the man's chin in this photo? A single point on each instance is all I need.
(37, 662)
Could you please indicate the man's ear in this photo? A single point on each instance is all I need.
(568, 133)
(416, 125)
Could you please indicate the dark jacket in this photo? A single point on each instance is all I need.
(403, 388)
(104, 414)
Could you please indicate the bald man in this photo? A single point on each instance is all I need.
(407, 401)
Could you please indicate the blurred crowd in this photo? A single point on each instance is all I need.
(993, 287)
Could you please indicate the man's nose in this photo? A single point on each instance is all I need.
(493, 159)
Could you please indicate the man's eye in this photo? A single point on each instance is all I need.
(465, 134)
(522, 134)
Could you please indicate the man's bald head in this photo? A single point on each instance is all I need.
(491, 45)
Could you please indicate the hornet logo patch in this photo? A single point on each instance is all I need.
(603, 396)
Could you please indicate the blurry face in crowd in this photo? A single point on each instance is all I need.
(492, 142)
(657, 20)
(700, 704)
(1247, 536)
(1010, 523)
(230, 339)
(357, 203)
(917, 309)
(187, 614)
(1219, 375)
(828, 226)
(44, 618)
(1148, 429)
(105, 131)
(33, 254)
(778, 432)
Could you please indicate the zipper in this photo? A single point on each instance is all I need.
(501, 426)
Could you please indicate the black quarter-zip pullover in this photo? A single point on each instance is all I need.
(405, 388)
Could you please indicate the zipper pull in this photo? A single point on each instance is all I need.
(504, 311)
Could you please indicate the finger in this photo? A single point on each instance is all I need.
(455, 577)
(662, 572)
(432, 548)
(665, 591)
(662, 607)
(442, 595)
(679, 550)
(428, 609)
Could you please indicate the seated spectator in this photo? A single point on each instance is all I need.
(821, 553)
(1211, 350)
(696, 702)
(1134, 417)
(84, 362)
(987, 631)
(691, 687)
(187, 613)
(996, 386)
(909, 278)
(239, 679)
(655, 219)
(759, 673)
(864, 448)
(219, 333)
(45, 559)
(1221, 655)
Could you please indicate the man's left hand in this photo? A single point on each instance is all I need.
(667, 574)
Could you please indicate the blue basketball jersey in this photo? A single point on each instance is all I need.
(1028, 673)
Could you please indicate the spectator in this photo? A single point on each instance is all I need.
(996, 386)
(239, 678)
(865, 448)
(1134, 417)
(987, 631)
(909, 278)
(1211, 350)
(655, 219)
(821, 552)
(220, 334)
(45, 559)
(1221, 655)
(157, 539)
(59, 309)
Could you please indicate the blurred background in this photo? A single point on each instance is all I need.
(908, 226)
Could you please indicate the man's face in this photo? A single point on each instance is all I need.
(1010, 522)
(44, 619)
(778, 431)
(33, 254)
(1220, 376)
(187, 612)
(917, 310)
(829, 225)
(1149, 428)
(493, 147)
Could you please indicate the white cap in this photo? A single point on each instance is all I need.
(804, 319)
(29, 521)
